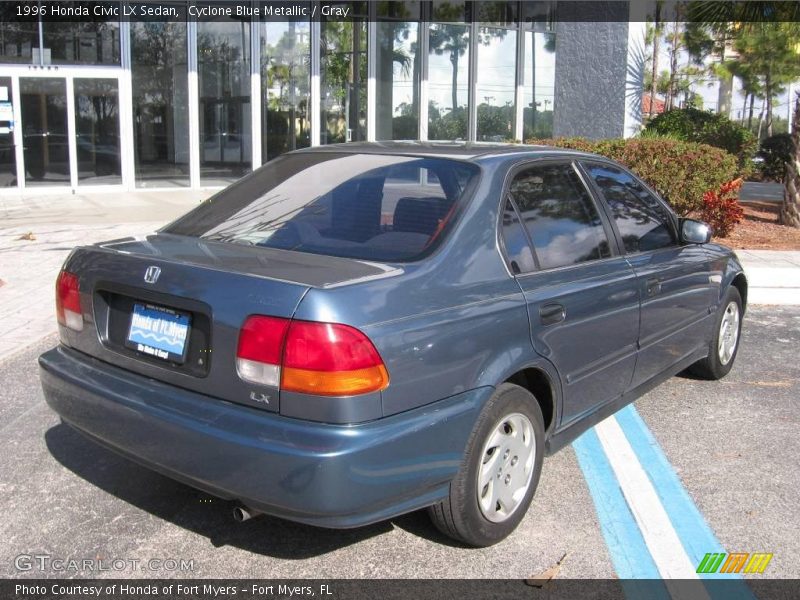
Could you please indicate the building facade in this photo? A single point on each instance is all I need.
(123, 104)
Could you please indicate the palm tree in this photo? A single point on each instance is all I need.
(452, 40)
(658, 26)
(790, 211)
(757, 30)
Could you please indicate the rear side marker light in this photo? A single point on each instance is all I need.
(68, 301)
(324, 359)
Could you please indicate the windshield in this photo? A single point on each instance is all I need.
(366, 206)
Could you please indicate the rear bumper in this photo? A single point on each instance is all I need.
(316, 473)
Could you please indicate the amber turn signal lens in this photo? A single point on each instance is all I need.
(335, 383)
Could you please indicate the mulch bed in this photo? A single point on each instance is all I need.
(760, 230)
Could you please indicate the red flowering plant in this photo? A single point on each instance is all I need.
(721, 208)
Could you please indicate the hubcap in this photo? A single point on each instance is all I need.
(728, 333)
(506, 467)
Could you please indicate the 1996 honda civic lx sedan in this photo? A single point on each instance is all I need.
(354, 332)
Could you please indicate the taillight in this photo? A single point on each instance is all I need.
(258, 357)
(68, 301)
(328, 359)
(325, 359)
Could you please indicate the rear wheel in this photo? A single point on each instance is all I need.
(500, 471)
(725, 342)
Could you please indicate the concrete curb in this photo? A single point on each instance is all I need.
(773, 276)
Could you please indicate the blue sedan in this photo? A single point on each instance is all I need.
(357, 331)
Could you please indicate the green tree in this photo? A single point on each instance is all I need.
(674, 35)
(763, 34)
(452, 40)
(708, 46)
(751, 86)
(790, 211)
(653, 37)
(767, 52)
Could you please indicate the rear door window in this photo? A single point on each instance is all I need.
(365, 206)
(515, 242)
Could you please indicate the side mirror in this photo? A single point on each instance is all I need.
(695, 232)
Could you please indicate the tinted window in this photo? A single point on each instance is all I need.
(365, 206)
(641, 219)
(560, 216)
(516, 243)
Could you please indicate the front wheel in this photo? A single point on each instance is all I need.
(500, 471)
(725, 342)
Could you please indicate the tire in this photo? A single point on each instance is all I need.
(725, 341)
(509, 438)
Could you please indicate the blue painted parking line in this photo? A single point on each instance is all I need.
(691, 527)
(625, 543)
(617, 487)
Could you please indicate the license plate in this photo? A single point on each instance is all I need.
(159, 332)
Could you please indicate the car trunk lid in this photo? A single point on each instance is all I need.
(170, 282)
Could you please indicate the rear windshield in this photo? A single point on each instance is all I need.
(365, 206)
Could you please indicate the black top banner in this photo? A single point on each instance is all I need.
(482, 11)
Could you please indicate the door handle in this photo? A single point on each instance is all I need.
(653, 287)
(550, 314)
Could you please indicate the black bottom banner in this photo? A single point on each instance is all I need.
(388, 589)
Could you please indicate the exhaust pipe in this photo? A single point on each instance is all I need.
(244, 513)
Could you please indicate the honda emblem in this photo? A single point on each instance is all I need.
(152, 273)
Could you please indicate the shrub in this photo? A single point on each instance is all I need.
(694, 125)
(721, 208)
(681, 172)
(776, 151)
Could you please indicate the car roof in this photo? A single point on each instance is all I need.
(457, 150)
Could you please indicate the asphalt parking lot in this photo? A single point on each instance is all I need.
(731, 448)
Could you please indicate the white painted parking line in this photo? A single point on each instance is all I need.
(650, 523)
(662, 541)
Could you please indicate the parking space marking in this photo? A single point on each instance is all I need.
(691, 527)
(662, 541)
(624, 540)
(640, 500)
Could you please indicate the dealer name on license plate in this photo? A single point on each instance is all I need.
(159, 332)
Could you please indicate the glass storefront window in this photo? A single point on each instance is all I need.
(538, 16)
(18, 40)
(97, 131)
(495, 86)
(343, 78)
(448, 71)
(160, 75)
(223, 56)
(285, 87)
(8, 158)
(45, 143)
(499, 13)
(160, 104)
(538, 85)
(397, 81)
(449, 11)
(89, 43)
